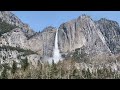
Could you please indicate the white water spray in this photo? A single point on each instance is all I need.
(56, 52)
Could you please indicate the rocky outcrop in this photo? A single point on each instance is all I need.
(83, 33)
(111, 32)
(78, 33)
(99, 40)
(10, 18)
(43, 42)
(7, 56)
(14, 38)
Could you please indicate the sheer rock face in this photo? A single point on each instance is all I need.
(85, 34)
(80, 32)
(43, 42)
(10, 18)
(111, 32)
(98, 39)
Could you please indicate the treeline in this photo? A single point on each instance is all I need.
(26, 52)
(61, 70)
(7, 71)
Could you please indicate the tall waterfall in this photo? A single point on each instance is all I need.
(56, 52)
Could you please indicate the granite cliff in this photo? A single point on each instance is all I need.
(97, 40)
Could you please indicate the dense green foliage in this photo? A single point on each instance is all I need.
(14, 67)
(61, 70)
(79, 55)
(24, 63)
(4, 74)
(26, 52)
(5, 27)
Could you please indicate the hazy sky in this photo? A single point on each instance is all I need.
(38, 20)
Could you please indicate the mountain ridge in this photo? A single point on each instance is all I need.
(95, 38)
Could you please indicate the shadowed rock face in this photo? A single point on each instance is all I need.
(111, 32)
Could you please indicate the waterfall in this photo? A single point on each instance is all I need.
(56, 52)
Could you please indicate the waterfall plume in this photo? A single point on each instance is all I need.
(56, 52)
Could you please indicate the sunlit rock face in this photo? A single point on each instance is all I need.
(43, 42)
(99, 40)
(14, 38)
(85, 34)
(78, 33)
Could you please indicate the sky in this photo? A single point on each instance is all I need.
(38, 20)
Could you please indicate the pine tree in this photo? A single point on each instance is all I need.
(88, 74)
(75, 74)
(4, 73)
(25, 64)
(38, 63)
(53, 70)
(14, 67)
